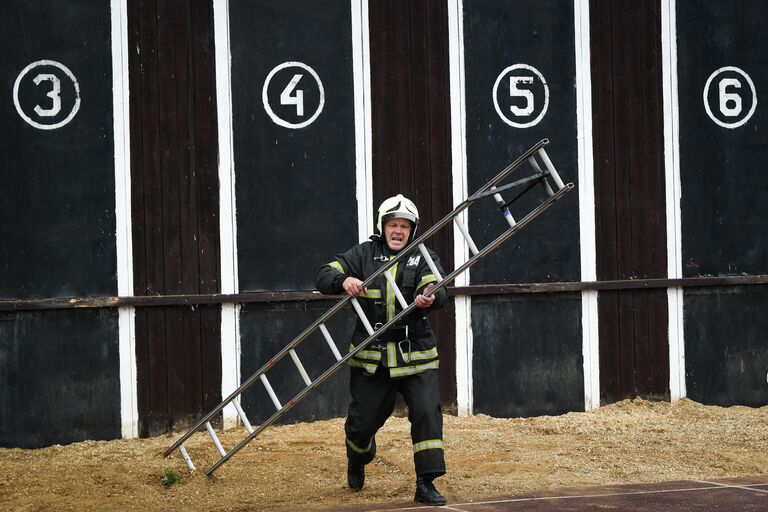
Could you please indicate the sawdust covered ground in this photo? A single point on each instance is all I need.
(302, 466)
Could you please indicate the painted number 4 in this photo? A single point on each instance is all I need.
(289, 97)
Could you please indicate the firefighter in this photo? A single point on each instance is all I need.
(404, 358)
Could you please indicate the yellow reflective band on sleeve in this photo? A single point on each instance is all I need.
(357, 449)
(335, 264)
(391, 295)
(428, 278)
(424, 354)
(391, 354)
(412, 370)
(429, 444)
(371, 293)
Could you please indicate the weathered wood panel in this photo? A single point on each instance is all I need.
(57, 180)
(629, 195)
(411, 131)
(59, 377)
(295, 173)
(174, 179)
(527, 360)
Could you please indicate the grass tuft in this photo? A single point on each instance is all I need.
(171, 477)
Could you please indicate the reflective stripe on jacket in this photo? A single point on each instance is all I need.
(402, 356)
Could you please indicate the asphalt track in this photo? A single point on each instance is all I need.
(730, 495)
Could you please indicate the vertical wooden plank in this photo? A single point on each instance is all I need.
(175, 202)
(411, 132)
(629, 187)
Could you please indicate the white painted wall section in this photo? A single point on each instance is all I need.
(589, 322)
(677, 387)
(464, 391)
(230, 332)
(361, 61)
(129, 415)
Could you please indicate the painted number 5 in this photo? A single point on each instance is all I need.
(54, 94)
(287, 98)
(521, 93)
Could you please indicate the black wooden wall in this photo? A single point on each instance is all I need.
(175, 202)
(527, 350)
(631, 243)
(411, 132)
(59, 370)
(724, 203)
(295, 183)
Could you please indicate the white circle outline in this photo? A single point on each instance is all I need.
(278, 120)
(24, 116)
(751, 86)
(546, 96)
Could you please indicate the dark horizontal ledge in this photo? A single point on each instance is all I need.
(298, 296)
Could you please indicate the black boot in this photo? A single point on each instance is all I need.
(426, 493)
(355, 476)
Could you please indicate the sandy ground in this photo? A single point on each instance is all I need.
(302, 466)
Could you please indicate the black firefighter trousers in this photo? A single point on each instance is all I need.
(373, 400)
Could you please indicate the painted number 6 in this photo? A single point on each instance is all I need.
(725, 97)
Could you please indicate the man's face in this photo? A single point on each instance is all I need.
(396, 233)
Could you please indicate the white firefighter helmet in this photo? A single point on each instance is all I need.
(397, 207)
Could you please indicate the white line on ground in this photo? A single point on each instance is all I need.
(710, 486)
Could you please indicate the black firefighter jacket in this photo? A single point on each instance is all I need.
(405, 349)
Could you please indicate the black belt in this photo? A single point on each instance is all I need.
(395, 334)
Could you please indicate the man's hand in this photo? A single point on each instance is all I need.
(423, 300)
(353, 286)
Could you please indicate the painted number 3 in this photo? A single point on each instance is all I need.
(54, 94)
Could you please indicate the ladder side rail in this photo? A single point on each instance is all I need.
(449, 278)
(510, 168)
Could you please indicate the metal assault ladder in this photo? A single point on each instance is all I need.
(540, 175)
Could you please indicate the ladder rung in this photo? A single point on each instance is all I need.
(215, 439)
(331, 343)
(363, 318)
(430, 262)
(507, 214)
(243, 417)
(536, 167)
(271, 392)
(395, 289)
(551, 169)
(185, 456)
(472, 247)
(300, 367)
